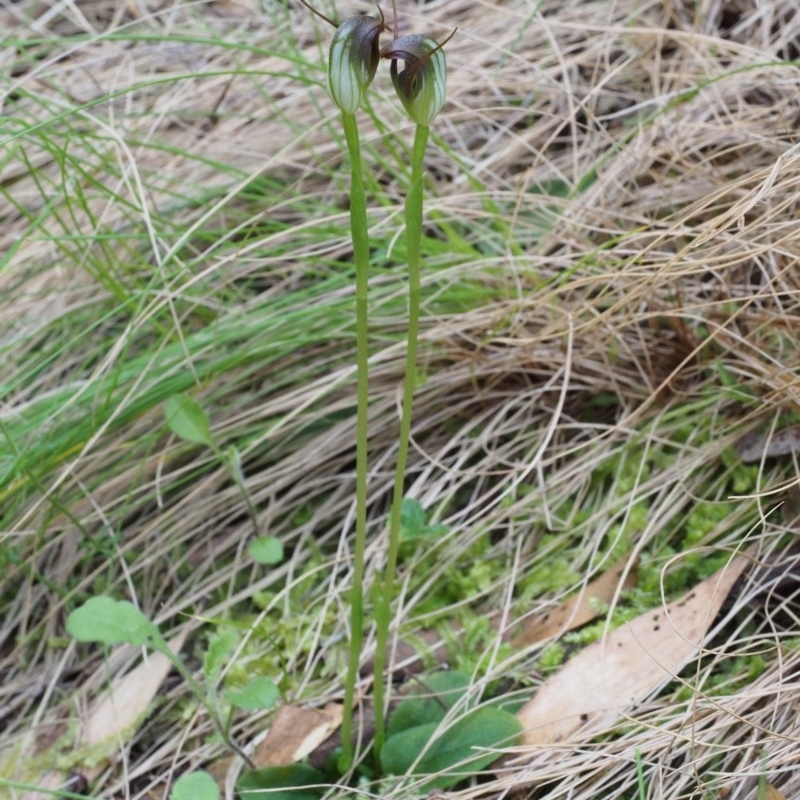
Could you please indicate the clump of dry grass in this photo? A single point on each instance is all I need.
(624, 180)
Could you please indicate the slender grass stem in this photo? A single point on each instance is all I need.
(360, 237)
(384, 595)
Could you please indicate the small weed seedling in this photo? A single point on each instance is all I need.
(187, 419)
(108, 621)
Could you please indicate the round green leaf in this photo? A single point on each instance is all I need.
(266, 550)
(258, 693)
(195, 786)
(101, 619)
(456, 753)
(435, 696)
(402, 750)
(292, 782)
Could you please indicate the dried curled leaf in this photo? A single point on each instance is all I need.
(578, 609)
(757, 446)
(610, 677)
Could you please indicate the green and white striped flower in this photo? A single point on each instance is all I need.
(422, 84)
(353, 60)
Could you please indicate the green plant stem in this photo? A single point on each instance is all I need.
(360, 236)
(383, 599)
(207, 699)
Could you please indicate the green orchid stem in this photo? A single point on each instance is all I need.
(384, 595)
(360, 236)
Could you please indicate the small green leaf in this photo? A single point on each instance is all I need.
(437, 694)
(259, 693)
(402, 749)
(413, 522)
(219, 646)
(734, 388)
(481, 729)
(187, 420)
(101, 619)
(412, 517)
(195, 786)
(293, 782)
(457, 753)
(266, 550)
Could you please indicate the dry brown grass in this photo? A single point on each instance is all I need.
(671, 246)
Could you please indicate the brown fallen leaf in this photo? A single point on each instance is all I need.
(114, 714)
(756, 446)
(579, 608)
(607, 679)
(110, 721)
(295, 733)
(773, 794)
